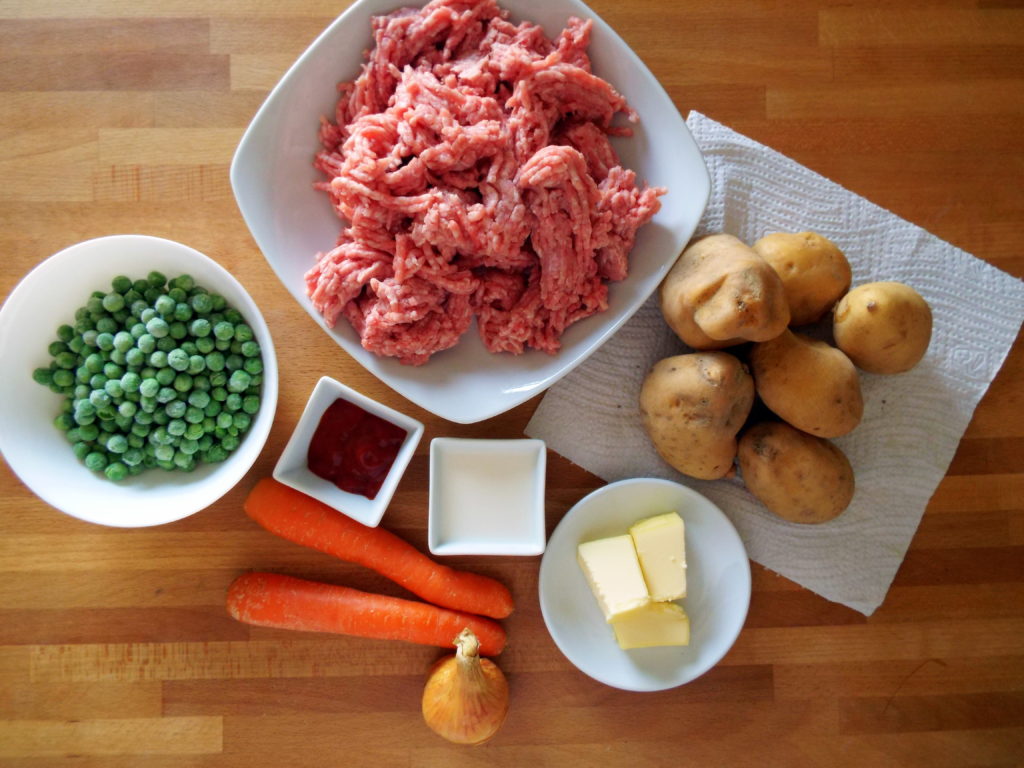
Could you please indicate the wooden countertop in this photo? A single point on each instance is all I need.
(115, 649)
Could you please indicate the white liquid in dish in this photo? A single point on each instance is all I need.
(487, 498)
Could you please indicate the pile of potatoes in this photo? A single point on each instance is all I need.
(723, 294)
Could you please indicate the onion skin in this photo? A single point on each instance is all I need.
(465, 699)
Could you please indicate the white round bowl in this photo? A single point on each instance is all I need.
(718, 586)
(39, 453)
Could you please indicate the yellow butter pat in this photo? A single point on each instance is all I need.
(661, 549)
(614, 575)
(655, 624)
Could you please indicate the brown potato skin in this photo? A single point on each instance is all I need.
(883, 327)
(693, 406)
(799, 477)
(809, 384)
(721, 293)
(814, 272)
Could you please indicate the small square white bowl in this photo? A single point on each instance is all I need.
(292, 470)
(486, 497)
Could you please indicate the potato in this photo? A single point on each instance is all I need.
(693, 406)
(799, 477)
(808, 383)
(721, 293)
(815, 274)
(883, 327)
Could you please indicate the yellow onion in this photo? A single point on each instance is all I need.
(466, 697)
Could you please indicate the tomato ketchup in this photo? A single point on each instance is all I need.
(354, 449)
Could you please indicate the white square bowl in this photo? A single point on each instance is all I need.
(272, 176)
(292, 470)
(486, 497)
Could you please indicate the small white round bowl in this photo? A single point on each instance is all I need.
(718, 586)
(39, 453)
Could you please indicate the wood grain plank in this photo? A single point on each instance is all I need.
(74, 701)
(167, 146)
(981, 565)
(888, 101)
(135, 183)
(164, 9)
(968, 494)
(889, 678)
(929, 26)
(959, 712)
(119, 625)
(867, 642)
(113, 589)
(126, 736)
(928, 63)
(286, 35)
(988, 456)
(116, 71)
(66, 36)
(261, 71)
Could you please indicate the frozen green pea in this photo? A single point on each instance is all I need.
(81, 449)
(113, 388)
(239, 381)
(63, 378)
(156, 279)
(219, 394)
(250, 349)
(205, 345)
(123, 341)
(117, 444)
(146, 343)
(196, 364)
(183, 382)
(198, 398)
(177, 359)
(194, 415)
(250, 404)
(165, 395)
(224, 331)
(182, 312)
(166, 376)
(117, 357)
(105, 341)
(132, 456)
(112, 302)
(212, 408)
(224, 420)
(106, 325)
(149, 388)
(66, 360)
(64, 422)
(242, 420)
(112, 370)
(178, 330)
(77, 345)
(56, 347)
(42, 376)
(201, 303)
(175, 409)
(164, 305)
(131, 382)
(194, 432)
(96, 461)
(116, 471)
(177, 294)
(157, 327)
(99, 398)
(158, 359)
(135, 357)
(230, 442)
(121, 284)
(127, 409)
(65, 332)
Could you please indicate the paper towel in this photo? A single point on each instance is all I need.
(912, 422)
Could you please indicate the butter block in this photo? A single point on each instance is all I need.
(656, 624)
(614, 575)
(661, 548)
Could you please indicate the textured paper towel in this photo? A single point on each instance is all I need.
(912, 422)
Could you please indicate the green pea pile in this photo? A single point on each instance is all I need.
(155, 373)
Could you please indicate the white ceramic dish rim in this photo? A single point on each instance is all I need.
(128, 505)
(527, 547)
(466, 384)
(291, 466)
(640, 683)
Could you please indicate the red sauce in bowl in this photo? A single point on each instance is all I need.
(354, 449)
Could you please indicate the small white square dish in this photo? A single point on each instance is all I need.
(354, 437)
(273, 177)
(486, 497)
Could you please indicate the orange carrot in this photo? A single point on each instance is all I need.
(304, 520)
(284, 602)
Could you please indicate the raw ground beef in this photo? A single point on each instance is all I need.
(471, 166)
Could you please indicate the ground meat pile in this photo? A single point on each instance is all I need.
(471, 166)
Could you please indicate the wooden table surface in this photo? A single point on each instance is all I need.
(115, 648)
